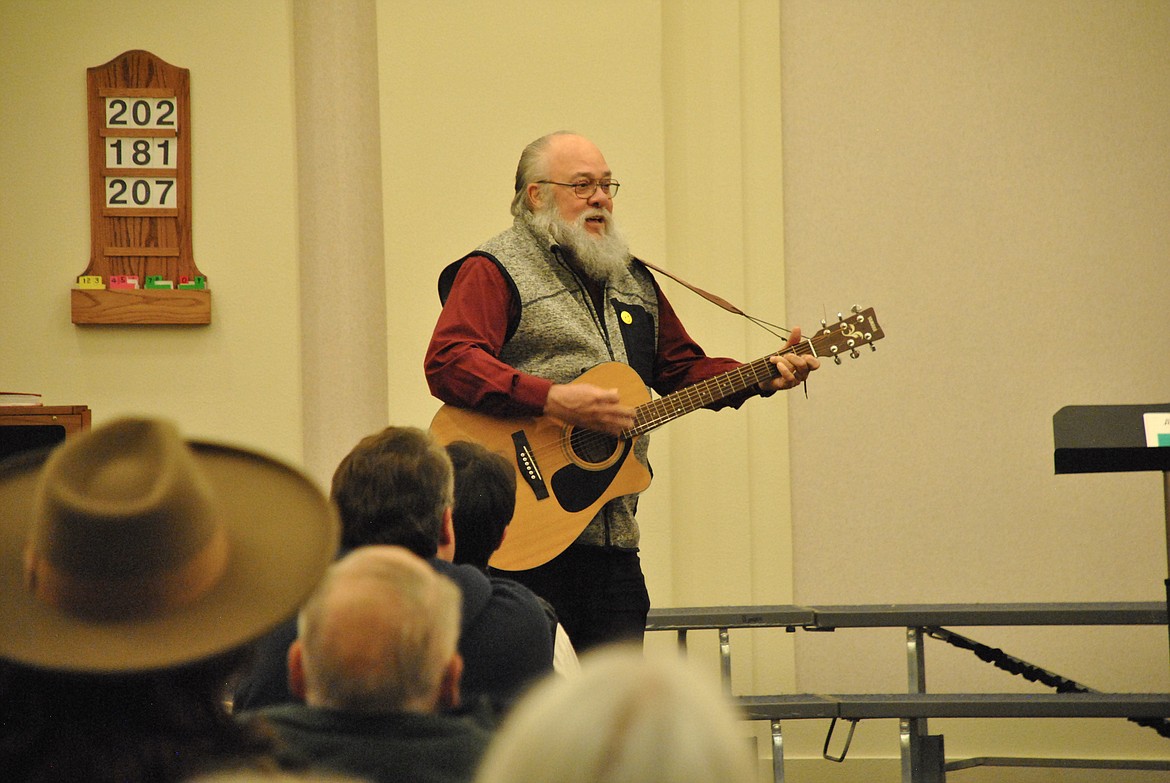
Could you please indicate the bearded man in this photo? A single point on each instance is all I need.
(534, 307)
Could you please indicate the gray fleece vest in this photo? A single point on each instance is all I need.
(560, 334)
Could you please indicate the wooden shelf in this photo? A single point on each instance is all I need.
(74, 418)
(140, 306)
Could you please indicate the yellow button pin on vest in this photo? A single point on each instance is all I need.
(626, 317)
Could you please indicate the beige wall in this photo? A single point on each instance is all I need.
(994, 178)
(973, 170)
(239, 378)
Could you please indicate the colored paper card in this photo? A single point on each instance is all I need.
(197, 283)
(156, 281)
(90, 281)
(1157, 429)
(123, 282)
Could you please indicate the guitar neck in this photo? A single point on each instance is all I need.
(651, 415)
(845, 336)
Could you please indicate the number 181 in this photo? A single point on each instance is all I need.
(125, 152)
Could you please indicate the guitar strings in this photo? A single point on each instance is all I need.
(654, 413)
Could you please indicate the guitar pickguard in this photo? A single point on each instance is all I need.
(576, 487)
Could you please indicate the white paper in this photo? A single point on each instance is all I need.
(1157, 429)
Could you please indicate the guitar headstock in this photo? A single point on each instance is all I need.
(848, 334)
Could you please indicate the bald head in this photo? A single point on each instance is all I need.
(378, 635)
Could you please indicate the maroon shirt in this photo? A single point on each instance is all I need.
(461, 362)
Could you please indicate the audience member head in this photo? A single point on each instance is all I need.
(396, 487)
(625, 719)
(379, 635)
(485, 499)
(135, 567)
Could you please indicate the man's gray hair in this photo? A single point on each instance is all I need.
(400, 653)
(532, 168)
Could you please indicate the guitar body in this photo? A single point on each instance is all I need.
(564, 474)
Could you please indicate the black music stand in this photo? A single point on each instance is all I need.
(1111, 439)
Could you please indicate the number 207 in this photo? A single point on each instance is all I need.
(127, 193)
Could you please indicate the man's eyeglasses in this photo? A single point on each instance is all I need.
(586, 188)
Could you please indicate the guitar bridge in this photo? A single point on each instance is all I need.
(526, 463)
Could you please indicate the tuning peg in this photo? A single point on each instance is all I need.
(855, 309)
(872, 348)
(837, 359)
(853, 354)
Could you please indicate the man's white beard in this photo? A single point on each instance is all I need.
(597, 255)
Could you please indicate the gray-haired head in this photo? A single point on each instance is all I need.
(532, 168)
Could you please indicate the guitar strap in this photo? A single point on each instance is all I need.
(726, 305)
(710, 297)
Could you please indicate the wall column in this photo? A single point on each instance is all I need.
(339, 176)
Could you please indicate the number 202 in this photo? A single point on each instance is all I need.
(140, 112)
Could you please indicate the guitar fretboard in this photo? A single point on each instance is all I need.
(858, 329)
(654, 414)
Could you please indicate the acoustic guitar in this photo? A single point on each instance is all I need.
(565, 474)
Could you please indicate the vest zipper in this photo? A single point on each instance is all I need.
(590, 306)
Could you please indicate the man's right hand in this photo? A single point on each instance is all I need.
(589, 406)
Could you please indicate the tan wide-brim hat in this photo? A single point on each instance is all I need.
(130, 549)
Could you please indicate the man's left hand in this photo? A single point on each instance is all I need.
(793, 367)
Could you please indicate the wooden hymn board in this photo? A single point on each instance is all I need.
(141, 269)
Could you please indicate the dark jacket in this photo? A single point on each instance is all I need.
(386, 748)
(505, 642)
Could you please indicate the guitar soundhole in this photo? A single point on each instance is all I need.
(592, 447)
